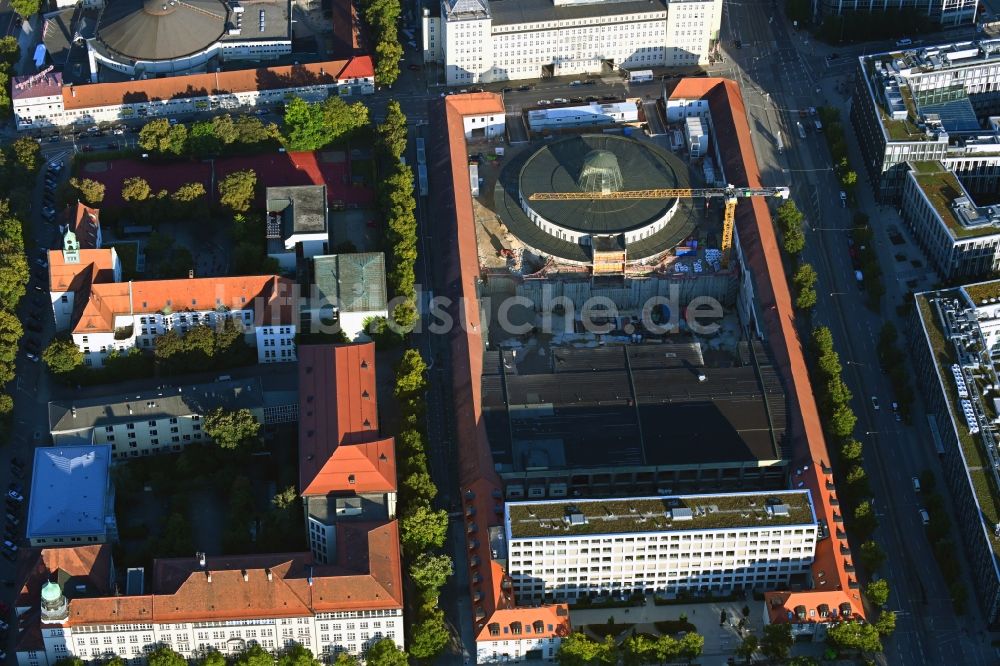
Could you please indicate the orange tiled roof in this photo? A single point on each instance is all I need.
(36, 566)
(86, 224)
(357, 468)
(260, 292)
(490, 588)
(199, 85)
(759, 247)
(95, 266)
(368, 577)
(785, 606)
(338, 422)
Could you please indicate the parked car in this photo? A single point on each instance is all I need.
(10, 545)
(32, 357)
(413, 67)
(916, 484)
(543, 102)
(843, 199)
(875, 403)
(590, 82)
(12, 519)
(16, 496)
(54, 138)
(560, 100)
(925, 517)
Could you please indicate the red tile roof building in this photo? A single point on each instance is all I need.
(105, 315)
(494, 608)
(347, 469)
(110, 102)
(501, 627)
(86, 225)
(69, 606)
(834, 594)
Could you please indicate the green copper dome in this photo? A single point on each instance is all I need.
(51, 592)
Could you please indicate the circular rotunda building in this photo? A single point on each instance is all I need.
(574, 230)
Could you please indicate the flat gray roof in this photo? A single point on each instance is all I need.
(354, 282)
(69, 491)
(680, 513)
(67, 416)
(302, 208)
(509, 12)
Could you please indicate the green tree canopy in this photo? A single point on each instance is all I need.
(255, 655)
(877, 592)
(777, 641)
(851, 450)
(25, 8)
(297, 655)
(748, 647)
(10, 50)
(423, 528)
(430, 572)
(152, 133)
(385, 653)
(410, 374)
(231, 430)
(886, 623)
(62, 356)
(872, 555)
(135, 188)
(212, 658)
(164, 656)
(842, 421)
(311, 126)
(577, 650)
(27, 153)
(392, 132)
(91, 191)
(854, 636)
(236, 190)
(430, 635)
(189, 192)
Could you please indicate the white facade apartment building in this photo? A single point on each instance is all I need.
(119, 316)
(479, 41)
(225, 604)
(148, 422)
(960, 238)
(565, 550)
(45, 101)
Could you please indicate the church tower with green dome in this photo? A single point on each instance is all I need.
(55, 607)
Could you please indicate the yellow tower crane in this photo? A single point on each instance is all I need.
(731, 194)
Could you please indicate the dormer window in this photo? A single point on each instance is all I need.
(350, 479)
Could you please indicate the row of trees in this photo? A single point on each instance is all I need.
(943, 546)
(578, 649)
(381, 653)
(10, 53)
(793, 241)
(871, 268)
(381, 17)
(399, 209)
(205, 137)
(13, 278)
(775, 644)
(311, 126)
(894, 363)
(423, 528)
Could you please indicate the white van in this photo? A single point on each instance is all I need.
(916, 485)
(925, 517)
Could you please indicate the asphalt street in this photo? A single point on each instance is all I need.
(781, 73)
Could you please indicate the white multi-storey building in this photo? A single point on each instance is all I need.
(46, 101)
(225, 604)
(565, 550)
(118, 316)
(479, 41)
(960, 238)
(147, 422)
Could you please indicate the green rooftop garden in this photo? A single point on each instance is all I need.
(983, 290)
(942, 188)
(610, 516)
(972, 446)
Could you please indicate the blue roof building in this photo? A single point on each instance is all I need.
(72, 497)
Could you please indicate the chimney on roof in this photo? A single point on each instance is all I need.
(201, 559)
(73, 410)
(190, 273)
(208, 576)
(246, 576)
(270, 576)
(310, 576)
